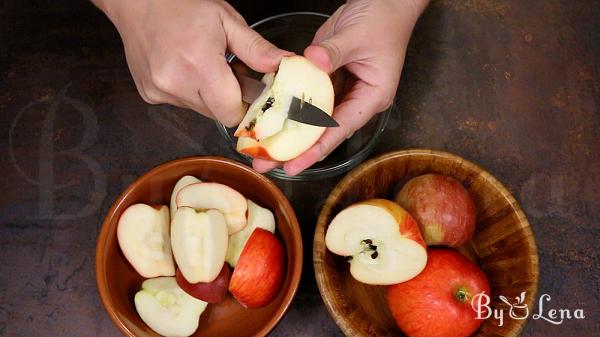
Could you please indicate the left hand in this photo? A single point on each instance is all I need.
(368, 38)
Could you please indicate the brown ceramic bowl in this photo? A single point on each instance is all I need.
(118, 281)
(503, 244)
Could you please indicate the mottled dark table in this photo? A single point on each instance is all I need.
(511, 85)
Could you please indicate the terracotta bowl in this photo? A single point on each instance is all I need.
(118, 281)
(503, 244)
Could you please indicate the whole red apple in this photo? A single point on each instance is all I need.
(438, 301)
(258, 275)
(442, 207)
(211, 292)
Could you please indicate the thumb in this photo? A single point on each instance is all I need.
(334, 52)
(250, 47)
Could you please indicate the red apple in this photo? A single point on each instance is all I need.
(211, 292)
(438, 301)
(259, 272)
(442, 207)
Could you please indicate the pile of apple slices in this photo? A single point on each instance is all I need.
(429, 290)
(185, 253)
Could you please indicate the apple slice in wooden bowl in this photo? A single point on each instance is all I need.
(502, 245)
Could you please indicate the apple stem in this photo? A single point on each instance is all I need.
(461, 295)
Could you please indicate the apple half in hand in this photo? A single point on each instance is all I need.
(258, 217)
(266, 132)
(167, 309)
(204, 196)
(143, 235)
(199, 241)
(380, 240)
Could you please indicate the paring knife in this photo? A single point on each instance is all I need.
(299, 111)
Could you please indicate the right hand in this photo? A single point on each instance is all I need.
(176, 52)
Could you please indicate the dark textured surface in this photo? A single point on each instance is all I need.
(511, 85)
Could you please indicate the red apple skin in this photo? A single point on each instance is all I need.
(256, 152)
(443, 209)
(245, 133)
(407, 225)
(258, 275)
(428, 305)
(211, 292)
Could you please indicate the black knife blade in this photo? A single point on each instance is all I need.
(304, 112)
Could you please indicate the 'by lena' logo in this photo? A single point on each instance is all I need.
(518, 309)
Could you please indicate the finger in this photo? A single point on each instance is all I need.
(263, 166)
(220, 91)
(177, 91)
(249, 46)
(359, 105)
(327, 29)
(335, 51)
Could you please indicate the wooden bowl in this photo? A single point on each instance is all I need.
(503, 244)
(118, 281)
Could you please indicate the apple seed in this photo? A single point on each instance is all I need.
(268, 103)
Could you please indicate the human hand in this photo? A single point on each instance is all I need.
(176, 52)
(368, 38)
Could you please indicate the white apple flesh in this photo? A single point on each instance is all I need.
(380, 240)
(167, 309)
(143, 235)
(266, 122)
(181, 183)
(205, 196)
(258, 217)
(199, 241)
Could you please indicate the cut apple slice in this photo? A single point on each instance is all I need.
(211, 292)
(199, 241)
(381, 241)
(259, 274)
(181, 183)
(143, 235)
(266, 122)
(167, 309)
(249, 120)
(204, 196)
(258, 217)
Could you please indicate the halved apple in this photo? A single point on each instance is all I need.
(143, 235)
(258, 217)
(167, 309)
(181, 183)
(274, 136)
(259, 274)
(199, 241)
(204, 196)
(381, 241)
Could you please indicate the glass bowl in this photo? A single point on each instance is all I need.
(294, 32)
